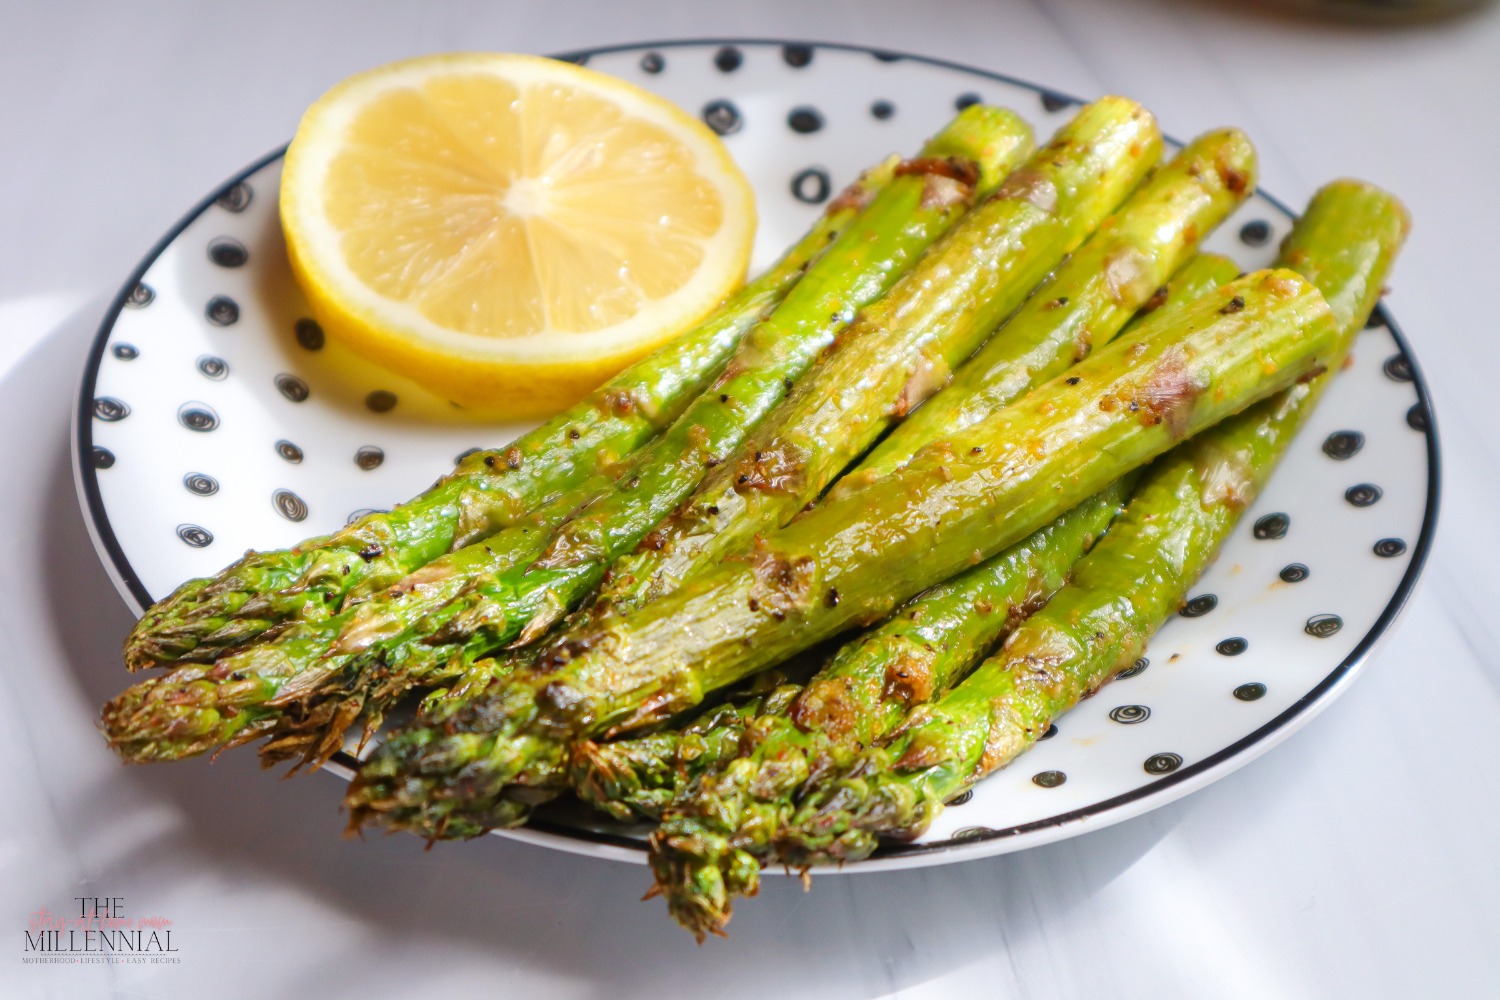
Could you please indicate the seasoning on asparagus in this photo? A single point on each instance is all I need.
(958, 502)
(1178, 519)
(314, 680)
(1090, 298)
(1199, 276)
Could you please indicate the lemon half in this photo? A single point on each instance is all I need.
(509, 230)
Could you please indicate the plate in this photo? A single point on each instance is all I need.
(214, 416)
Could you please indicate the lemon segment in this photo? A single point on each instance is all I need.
(509, 230)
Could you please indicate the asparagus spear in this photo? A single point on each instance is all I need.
(488, 490)
(852, 560)
(1199, 276)
(863, 692)
(313, 681)
(644, 775)
(1180, 516)
(903, 348)
(1090, 298)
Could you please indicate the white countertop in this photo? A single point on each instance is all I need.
(1357, 859)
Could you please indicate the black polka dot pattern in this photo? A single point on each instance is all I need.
(381, 401)
(1129, 715)
(309, 334)
(1397, 368)
(883, 110)
(722, 116)
(1323, 626)
(1294, 573)
(200, 484)
(1363, 495)
(1199, 606)
(804, 120)
(796, 56)
(1253, 691)
(728, 59)
(966, 100)
(369, 457)
(212, 367)
(1343, 445)
(292, 387)
(1138, 667)
(1232, 647)
(962, 798)
(1389, 548)
(1052, 103)
(226, 251)
(1416, 417)
(102, 458)
(198, 417)
(195, 536)
(1048, 779)
(1272, 526)
(222, 311)
(1255, 233)
(1163, 763)
(653, 63)
(125, 352)
(289, 505)
(289, 451)
(109, 409)
(811, 186)
(236, 199)
(140, 296)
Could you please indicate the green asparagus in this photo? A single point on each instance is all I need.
(488, 490)
(956, 503)
(307, 686)
(1096, 626)
(903, 347)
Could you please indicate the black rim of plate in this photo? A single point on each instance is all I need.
(89, 483)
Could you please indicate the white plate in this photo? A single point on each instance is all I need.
(213, 418)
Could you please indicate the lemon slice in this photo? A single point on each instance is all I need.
(508, 230)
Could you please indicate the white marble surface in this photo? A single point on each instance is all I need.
(1355, 860)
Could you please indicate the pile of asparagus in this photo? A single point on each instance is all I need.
(984, 425)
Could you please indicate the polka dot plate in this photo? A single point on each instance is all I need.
(215, 416)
